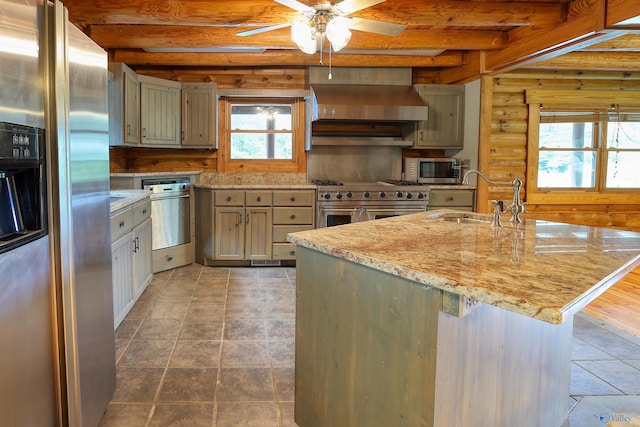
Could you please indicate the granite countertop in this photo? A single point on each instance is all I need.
(257, 186)
(120, 199)
(134, 174)
(544, 270)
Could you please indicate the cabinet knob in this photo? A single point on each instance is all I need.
(292, 253)
(293, 199)
(121, 224)
(144, 211)
(259, 199)
(450, 199)
(292, 217)
(228, 198)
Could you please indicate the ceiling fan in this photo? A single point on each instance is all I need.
(330, 20)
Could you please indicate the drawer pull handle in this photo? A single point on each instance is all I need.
(292, 217)
(228, 198)
(259, 199)
(121, 224)
(293, 199)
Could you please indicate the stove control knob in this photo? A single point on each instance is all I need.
(327, 196)
(339, 196)
(420, 195)
(366, 194)
(382, 194)
(349, 194)
(409, 196)
(399, 193)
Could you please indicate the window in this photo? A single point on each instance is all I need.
(583, 147)
(262, 135)
(592, 149)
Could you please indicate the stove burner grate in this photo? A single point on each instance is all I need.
(401, 182)
(325, 182)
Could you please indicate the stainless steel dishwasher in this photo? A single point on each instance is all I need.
(170, 211)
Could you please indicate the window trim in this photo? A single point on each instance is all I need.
(568, 99)
(298, 163)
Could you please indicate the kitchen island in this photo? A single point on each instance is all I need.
(440, 319)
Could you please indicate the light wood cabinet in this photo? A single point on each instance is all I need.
(124, 106)
(130, 256)
(250, 225)
(462, 200)
(199, 115)
(293, 211)
(159, 112)
(444, 128)
(242, 225)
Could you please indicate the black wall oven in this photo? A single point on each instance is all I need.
(23, 211)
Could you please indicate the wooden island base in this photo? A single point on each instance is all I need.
(374, 349)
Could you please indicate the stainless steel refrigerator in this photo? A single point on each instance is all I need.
(57, 351)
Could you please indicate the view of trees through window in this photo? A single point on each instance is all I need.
(261, 131)
(589, 150)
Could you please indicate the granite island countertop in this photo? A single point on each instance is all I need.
(544, 270)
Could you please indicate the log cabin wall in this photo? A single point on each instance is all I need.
(503, 142)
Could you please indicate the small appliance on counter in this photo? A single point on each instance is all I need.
(435, 170)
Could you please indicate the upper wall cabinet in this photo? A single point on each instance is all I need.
(124, 106)
(444, 128)
(199, 115)
(159, 112)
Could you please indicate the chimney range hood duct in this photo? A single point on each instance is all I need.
(367, 103)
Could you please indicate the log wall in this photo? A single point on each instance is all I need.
(503, 142)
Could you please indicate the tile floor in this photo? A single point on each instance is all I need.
(214, 347)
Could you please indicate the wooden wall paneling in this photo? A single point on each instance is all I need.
(504, 147)
(484, 142)
(161, 160)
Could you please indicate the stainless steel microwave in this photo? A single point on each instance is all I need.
(433, 170)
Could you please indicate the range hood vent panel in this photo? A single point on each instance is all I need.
(367, 103)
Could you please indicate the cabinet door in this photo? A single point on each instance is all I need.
(199, 115)
(131, 108)
(160, 114)
(142, 265)
(229, 234)
(122, 278)
(258, 233)
(445, 125)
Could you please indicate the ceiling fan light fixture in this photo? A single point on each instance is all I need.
(303, 36)
(338, 32)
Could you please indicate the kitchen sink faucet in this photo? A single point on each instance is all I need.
(516, 207)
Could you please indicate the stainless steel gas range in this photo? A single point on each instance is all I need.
(341, 203)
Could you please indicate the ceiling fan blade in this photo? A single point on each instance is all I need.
(263, 29)
(378, 27)
(347, 7)
(296, 5)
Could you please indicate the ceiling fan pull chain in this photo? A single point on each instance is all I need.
(330, 76)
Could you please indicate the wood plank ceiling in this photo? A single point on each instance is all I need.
(461, 40)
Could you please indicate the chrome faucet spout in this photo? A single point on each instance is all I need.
(516, 207)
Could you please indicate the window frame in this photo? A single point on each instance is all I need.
(297, 164)
(567, 100)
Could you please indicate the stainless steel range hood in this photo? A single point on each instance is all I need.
(367, 103)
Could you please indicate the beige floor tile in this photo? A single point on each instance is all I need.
(182, 415)
(245, 385)
(188, 385)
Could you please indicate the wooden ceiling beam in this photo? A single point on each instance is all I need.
(158, 36)
(283, 58)
(606, 61)
(623, 14)
(268, 12)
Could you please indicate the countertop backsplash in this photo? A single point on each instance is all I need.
(243, 178)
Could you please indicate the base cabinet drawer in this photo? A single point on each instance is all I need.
(292, 215)
(280, 231)
(293, 198)
(284, 251)
(451, 198)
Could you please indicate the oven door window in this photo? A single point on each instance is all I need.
(339, 216)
